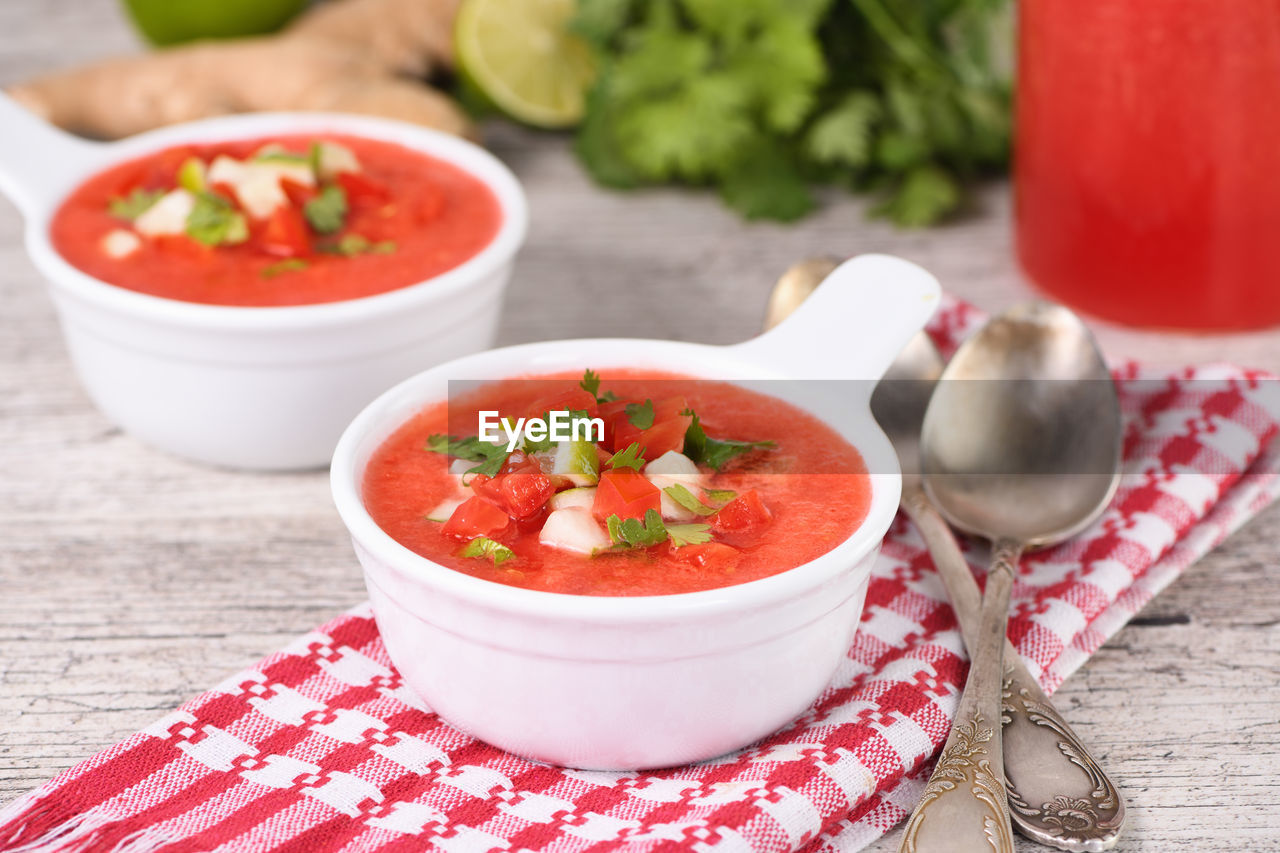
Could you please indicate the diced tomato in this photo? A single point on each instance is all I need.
(744, 513)
(285, 233)
(360, 188)
(666, 433)
(625, 492)
(612, 413)
(526, 492)
(708, 555)
(476, 517)
(573, 400)
(298, 194)
(225, 190)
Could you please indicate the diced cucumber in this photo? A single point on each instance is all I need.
(168, 215)
(577, 461)
(445, 509)
(259, 193)
(191, 175)
(672, 463)
(579, 497)
(675, 469)
(574, 529)
(333, 159)
(120, 243)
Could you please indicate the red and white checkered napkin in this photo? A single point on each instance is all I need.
(320, 747)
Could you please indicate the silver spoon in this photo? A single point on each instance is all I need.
(1021, 445)
(1058, 792)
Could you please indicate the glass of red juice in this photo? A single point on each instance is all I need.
(1147, 164)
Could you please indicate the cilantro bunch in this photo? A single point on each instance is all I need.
(767, 99)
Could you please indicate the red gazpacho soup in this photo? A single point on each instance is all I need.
(622, 484)
(286, 220)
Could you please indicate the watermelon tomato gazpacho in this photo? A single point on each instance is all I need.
(634, 483)
(290, 220)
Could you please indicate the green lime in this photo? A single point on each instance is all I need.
(524, 59)
(171, 21)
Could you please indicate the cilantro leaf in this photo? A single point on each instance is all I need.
(351, 245)
(688, 500)
(720, 496)
(214, 221)
(489, 456)
(590, 382)
(712, 452)
(842, 135)
(482, 547)
(327, 212)
(135, 204)
(628, 457)
(640, 414)
(694, 533)
(765, 183)
(927, 195)
(632, 533)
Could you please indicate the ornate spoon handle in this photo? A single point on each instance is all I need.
(964, 807)
(1058, 793)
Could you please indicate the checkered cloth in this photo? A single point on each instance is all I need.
(321, 747)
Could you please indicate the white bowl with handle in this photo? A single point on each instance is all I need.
(262, 388)
(650, 681)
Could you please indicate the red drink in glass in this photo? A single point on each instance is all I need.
(1147, 165)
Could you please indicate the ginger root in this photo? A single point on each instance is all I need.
(347, 55)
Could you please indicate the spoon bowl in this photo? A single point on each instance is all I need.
(1022, 436)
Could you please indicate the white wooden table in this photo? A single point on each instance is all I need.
(130, 580)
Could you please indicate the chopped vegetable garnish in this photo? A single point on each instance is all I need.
(629, 457)
(686, 499)
(632, 533)
(640, 414)
(214, 221)
(720, 496)
(483, 546)
(287, 265)
(327, 212)
(689, 534)
(191, 175)
(357, 244)
(135, 204)
(490, 456)
(712, 452)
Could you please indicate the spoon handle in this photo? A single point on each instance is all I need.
(964, 807)
(1058, 793)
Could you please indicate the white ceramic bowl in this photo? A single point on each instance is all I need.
(626, 683)
(250, 387)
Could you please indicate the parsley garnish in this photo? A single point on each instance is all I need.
(214, 221)
(483, 546)
(720, 496)
(713, 452)
(694, 533)
(281, 267)
(490, 456)
(327, 212)
(628, 457)
(686, 499)
(632, 533)
(135, 204)
(357, 244)
(640, 414)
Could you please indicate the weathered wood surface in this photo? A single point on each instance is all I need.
(130, 580)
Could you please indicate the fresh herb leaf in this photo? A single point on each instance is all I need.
(135, 204)
(712, 452)
(640, 414)
(327, 212)
(214, 221)
(357, 244)
(628, 457)
(632, 533)
(720, 496)
(281, 267)
(688, 500)
(490, 456)
(482, 547)
(694, 533)
(591, 384)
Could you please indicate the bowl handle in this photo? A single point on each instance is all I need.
(38, 162)
(854, 324)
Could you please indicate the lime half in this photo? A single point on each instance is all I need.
(166, 22)
(523, 57)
